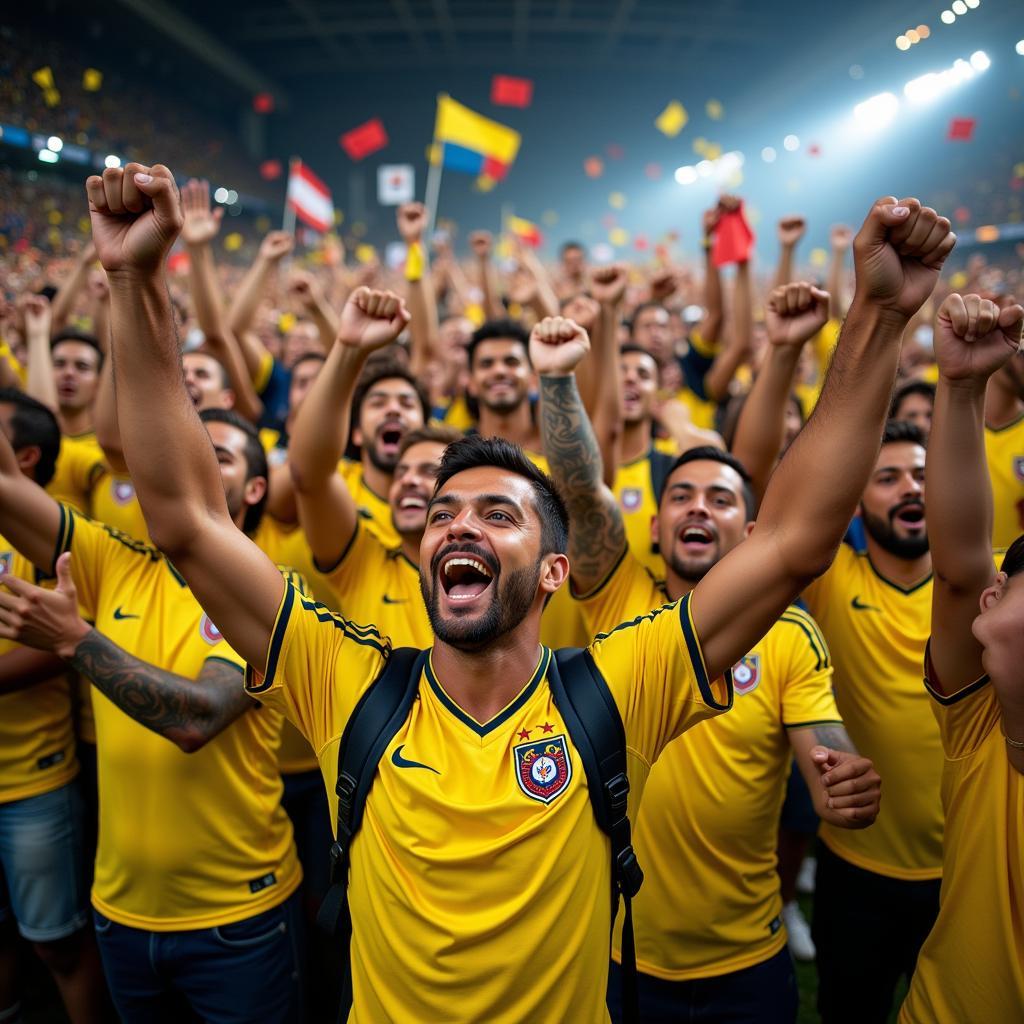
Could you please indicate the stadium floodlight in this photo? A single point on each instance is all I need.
(768, 155)
(959, 7)
(112, 161)
(973, 3)
(876, 112)
(935, 83)
(980, 61)
(686, 175)
(48, 156)
(947, 17)
(221, 195)
(791, 143)
(232, 197)
(55, 143)
(1020, 47)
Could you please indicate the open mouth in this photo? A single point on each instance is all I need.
(464, 577)
(412, 503)
(697, 539)
(389, 438)
(911, 516)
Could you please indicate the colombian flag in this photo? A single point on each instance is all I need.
(471, 143)
(525, 230)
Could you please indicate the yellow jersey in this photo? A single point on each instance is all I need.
(79, 465)
(877, 632)
(115, 504)
(1004, 450)
(638, 505)
(374, 510)
(479, 879)
(456, 414)
(186, 840)
(37, 736)
(707, 829)
(971, 967)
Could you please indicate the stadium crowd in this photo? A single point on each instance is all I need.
(230, 495)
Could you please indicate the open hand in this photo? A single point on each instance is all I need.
(45, 619)
(201, 222)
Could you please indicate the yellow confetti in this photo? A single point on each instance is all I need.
(549, 218)
(714, 110)
(233, 242)
(339, 217)
(43, 77)
(365, 254)
(818, 257)
(359, 229)
(51, 97)
(262, 225)
(54, 236)
(1018, 170)
(474, 313)
(958, 280)
(672, 119)
(92, 80)
(712, 151)
(286, 321)
(84, 225)
(617, 201)
(618, 236)
(55, 216)
(700, 145)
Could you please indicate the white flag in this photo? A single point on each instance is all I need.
(310, 198)
(396, 184)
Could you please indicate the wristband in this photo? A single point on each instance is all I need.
(415, 262)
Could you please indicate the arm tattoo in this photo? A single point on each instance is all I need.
(835, 737)
(597, 535)
(186, 711)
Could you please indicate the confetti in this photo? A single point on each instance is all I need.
(818, 257)
(92, 80)
(617, 201)
(672, 119)
(507, 91)
(618, 236)
(714, 110)
(270, 170)
(653, 172)
(233, 242)
(365, 254)
(593, 167)
(367, 138)
(614, 151)
(263, 103)
(961, 129)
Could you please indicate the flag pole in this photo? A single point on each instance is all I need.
(433, 188)
(288, 224)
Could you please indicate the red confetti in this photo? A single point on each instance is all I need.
(961, 129)
(593, 167)
(614, 151)
(641, 244)
(814, 149)
(653, 171)
(270, 170)
(962, 215)
(507, 91)
(366, 139)
(178, 262)
(263, 103)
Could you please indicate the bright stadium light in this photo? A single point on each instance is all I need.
(232, 197)
(112, 161)
(934, 84)
(221, 195)
(973, 3)
(705, 168)
(1020, 47)
(791, 143)
(876, 112)
(768, 155)
(55, 143)
(959, 7)
(980, 61)
(686, 175)
(947, 17)
(48, 156)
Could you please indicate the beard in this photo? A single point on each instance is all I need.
(883, 533)
(511, 600)
(693, 570)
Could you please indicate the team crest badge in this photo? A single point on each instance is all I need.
(543, 769)
(631, 498)
(1018, 466)
(122, 491)
(6, 561)
(208, 631)
(746, 674)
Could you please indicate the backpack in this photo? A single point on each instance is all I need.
(596, 731)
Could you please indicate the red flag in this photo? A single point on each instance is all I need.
(263, 103)
(270, 170)
(734, 240)
(961, 129)
(366, 139)
(507, 91)
(310, 198)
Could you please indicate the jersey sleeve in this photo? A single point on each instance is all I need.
(967, 716)
(318, 666)
(362, 559)
(97, 555)
(626, 591)
(807, 697)
(817, 593)
(655, 670)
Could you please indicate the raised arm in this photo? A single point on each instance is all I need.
(39, 382)
(419, 289)
(68, 292)
(597, 535)
(790, 230)
(711, 325)
(305, 290)
(545, 301)
(814, 491)
(973, 339)
(608, 287)
(188, 712)
(840, 239)
(136, 216)
(720, 376)
(794, 313)
(482, 244)
(327, 510)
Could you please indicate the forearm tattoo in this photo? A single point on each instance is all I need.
(834, 737)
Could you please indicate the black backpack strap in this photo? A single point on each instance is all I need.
(596, 729)
(378, 715)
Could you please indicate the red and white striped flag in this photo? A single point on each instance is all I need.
(309, 197)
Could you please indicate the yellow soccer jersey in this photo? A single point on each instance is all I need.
(1004, 450)
(114, 503)
(186, 840)
(479, 884)
(374, 510)
(634, 491)
(37, 736)
(707, 829)
(877, 633)
(971, 967)
(79, 465)
(457, 415)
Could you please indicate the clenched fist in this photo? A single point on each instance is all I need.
(371, 319)
(608, 284)
(480, 242)
(136, 217)
(791, 229)
(795, 312)
(974, 337)
(557, 346)
(276, 246)
(412, 222)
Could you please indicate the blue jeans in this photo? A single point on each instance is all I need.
(247, 972)
(42, 865)
(763, 994)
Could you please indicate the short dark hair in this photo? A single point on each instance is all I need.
(1013, 560)
(429, 434)
(913, 387)
(34, 425)
(566, 246)
(498, 329)
(709, 453)
(473, 451)
(640, 309)
(318, 357)
(903, 432)
(373, 373)
(225, 380)
(255, 460)
(71, 334)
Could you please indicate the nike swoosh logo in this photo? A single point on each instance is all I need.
(858, 606)
(394, 600)
(400, 762)
(119, 615)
